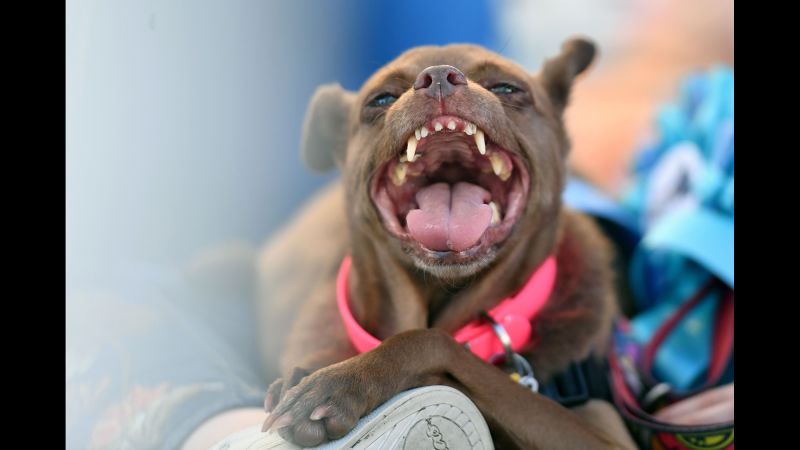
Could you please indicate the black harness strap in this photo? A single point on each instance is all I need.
(579, 383)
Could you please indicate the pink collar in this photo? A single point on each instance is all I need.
(514, 314)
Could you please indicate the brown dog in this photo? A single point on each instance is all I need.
(453, 165)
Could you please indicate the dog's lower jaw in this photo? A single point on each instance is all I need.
(450, 272)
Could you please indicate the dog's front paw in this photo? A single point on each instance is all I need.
(323, 406)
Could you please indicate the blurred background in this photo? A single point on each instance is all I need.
(183, 117)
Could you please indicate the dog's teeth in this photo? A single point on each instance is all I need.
(480, 142)
(468, 129)
(404, 158)
(437, 126)
(415, 170)
(497, 163)
(399, 174)
(499, 166)
(412, 148)
(495, 213)
(451, 125)
(424, 132)
(417, 134)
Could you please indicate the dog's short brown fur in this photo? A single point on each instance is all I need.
(414, 303)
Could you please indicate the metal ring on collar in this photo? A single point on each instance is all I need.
(505, 339)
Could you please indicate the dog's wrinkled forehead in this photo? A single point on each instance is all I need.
(472, 60)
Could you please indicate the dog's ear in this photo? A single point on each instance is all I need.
(325, 128)
(559, 72)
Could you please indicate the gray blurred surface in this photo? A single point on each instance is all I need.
(183, 123)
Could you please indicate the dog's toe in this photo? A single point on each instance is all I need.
(273, 395)
(305, 433)
(339, 424)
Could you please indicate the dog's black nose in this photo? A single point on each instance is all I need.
(439, 79)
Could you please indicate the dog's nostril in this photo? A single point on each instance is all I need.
(456, 77)
(443, 79)
(423, 81)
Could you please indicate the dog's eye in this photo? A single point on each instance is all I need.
(504, 89)
(382, 100)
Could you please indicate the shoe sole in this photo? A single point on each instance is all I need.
(431, 417)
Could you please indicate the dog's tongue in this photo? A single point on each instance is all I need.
(450, 219)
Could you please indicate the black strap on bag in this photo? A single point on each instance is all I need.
(581, 382)
(636, 404)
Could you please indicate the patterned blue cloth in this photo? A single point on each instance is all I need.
(683, 197)
(680, 204)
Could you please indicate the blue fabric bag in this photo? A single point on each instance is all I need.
(682, 194)
(675, 227)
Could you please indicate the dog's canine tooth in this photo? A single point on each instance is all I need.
(411, 148)
(451, 125)
(399, 174)
(507, 174)
(497, 163)
(417, 134)
(437, 126)
(499, 166)
(495, 213)
(424, 132)
(480, 142)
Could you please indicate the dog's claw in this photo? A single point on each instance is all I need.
(283, 421)
(269, 402)
(320, 412)
(268, 423)
(276, 422)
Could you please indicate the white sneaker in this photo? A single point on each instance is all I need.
(431, 417)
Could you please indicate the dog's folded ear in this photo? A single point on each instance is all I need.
(558, 73)
(325, 129)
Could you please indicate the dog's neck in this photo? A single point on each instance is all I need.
(410, 298)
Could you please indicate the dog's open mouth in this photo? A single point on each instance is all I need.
(451, 189)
